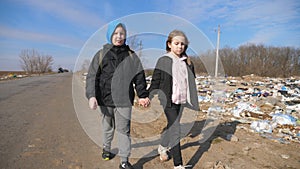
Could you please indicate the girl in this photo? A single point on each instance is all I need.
(174, 81)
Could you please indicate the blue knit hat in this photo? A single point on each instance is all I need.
(111, 29)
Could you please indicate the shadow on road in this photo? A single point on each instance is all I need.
(222, 130)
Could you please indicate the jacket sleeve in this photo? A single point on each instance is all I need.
(193, 89)
(92, 77)
(140, 79)
(156, 79)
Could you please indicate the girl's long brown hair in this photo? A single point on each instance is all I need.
(172, 35)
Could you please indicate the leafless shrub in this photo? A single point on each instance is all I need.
(33, 62)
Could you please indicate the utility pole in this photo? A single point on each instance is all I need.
(217, 52)
(140, 48)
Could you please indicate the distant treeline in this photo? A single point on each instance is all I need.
(251, 59)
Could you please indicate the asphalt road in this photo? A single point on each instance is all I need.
(40, 129)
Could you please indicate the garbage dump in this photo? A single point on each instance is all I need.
(270, 106)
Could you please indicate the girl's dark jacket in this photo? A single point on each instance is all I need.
(111, 80)
(162, 83)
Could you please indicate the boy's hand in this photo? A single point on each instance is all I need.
(93, 103)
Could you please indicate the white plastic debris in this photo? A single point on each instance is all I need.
(261, 126)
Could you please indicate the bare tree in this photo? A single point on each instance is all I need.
(135, 44)
(258, 59)
(45, 63)
(85, 65)
(33, 62)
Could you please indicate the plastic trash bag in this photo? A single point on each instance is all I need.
(283, 119)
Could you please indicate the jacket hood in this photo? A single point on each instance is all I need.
(111, 29)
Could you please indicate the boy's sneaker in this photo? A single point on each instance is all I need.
(163, 153)
(106, 155)
(126, 165)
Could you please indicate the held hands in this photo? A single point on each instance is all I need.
(93, 103)
(145, 102)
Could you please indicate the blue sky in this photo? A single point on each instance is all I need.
(62, 27)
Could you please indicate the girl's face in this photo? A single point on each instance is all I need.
(177, 45)
(118, 37)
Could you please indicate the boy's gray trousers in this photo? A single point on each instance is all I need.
(117, 118)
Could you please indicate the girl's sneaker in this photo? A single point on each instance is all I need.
(163, 153)
(182, 167)
(125, 165)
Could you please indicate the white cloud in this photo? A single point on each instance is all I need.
(269, 20)
(13, 33)
(193, 10)
(72, 12)
(263, 36)
(247, 12)
(263, 21)
(264, 13)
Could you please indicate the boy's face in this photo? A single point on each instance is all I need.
(118, 37)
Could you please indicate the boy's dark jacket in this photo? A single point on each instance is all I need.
(111, 81)
(162, 83)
